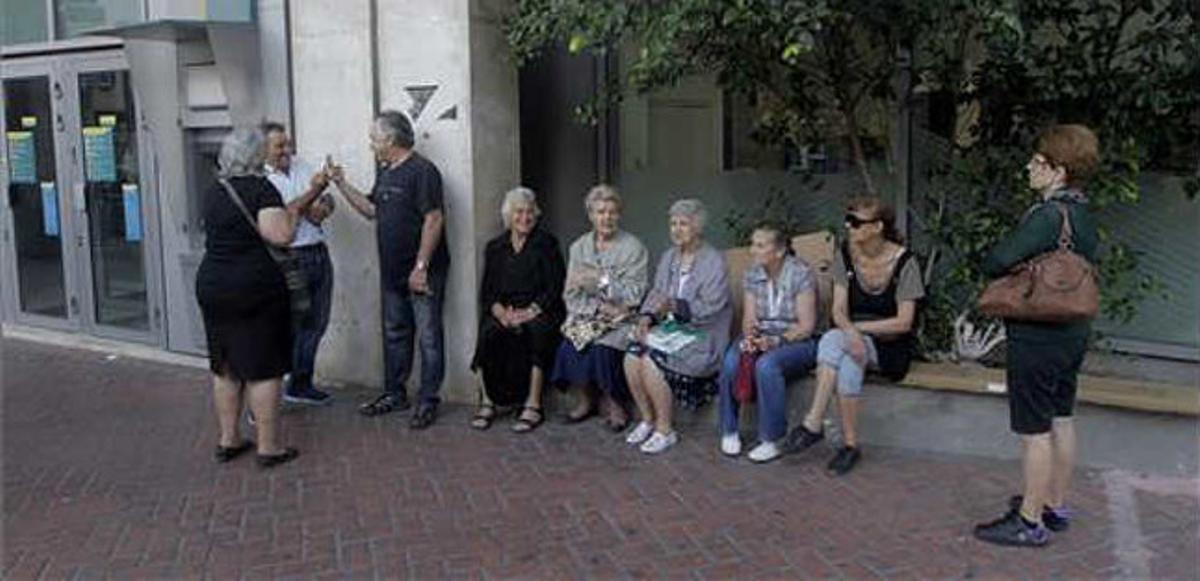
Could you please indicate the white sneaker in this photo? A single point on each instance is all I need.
(764, 452)
(659, 442)
(639, 433)
(731, 444)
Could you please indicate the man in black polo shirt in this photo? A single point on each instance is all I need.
(406, 204)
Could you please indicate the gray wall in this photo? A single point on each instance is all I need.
(468, 128)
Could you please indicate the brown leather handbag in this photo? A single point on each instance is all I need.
(1055, 287)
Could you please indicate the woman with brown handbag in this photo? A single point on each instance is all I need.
(1044, 357)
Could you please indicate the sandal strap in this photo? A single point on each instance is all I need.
(382, 404)
(534, 420)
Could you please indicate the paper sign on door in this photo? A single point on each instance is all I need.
(50, 209)
(99, 154)
(133, 212)
(22, 157)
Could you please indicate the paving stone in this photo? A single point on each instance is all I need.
(121, 484)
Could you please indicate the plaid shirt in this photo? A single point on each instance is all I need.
(775, 308)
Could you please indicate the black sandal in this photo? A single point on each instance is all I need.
(616, 426)
(272, 460)
(225, 454)
(485, 414)
(523, 424)
(384, 404)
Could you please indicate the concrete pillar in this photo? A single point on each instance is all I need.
(236, 50)
(445, 64)
(155, 75)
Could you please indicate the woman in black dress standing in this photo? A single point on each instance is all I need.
(522, 309)
(243, 296)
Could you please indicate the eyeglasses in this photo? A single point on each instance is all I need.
(1038, 160)
(853, 221)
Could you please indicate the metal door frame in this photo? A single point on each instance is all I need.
(63, 73)
(73, 65)
(48, 68)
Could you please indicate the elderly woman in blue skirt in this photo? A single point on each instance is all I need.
(777, 331)
(606, 279)
(690, 297)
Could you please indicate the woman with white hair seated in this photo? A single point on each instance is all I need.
(691, 307)
(606, 279)
(243, 296)
(521, 309)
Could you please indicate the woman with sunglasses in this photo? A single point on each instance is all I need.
(877, 285)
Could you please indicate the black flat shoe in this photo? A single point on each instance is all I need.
(224, 454)
(272, 460)
(575, 419)
(616, 426)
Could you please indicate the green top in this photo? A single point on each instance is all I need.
(1038, 233)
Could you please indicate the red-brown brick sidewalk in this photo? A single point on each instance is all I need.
(108, 473)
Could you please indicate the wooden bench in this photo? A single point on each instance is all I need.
(818, 250)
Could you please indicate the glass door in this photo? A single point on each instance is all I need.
(111, 182)
(83, 224)
(36, 228)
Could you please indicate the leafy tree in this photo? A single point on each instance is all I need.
(816, 71)
(1129, 69)
(993, 72)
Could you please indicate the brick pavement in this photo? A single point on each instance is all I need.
(108, 473)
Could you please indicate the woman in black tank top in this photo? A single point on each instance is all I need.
(877, 286)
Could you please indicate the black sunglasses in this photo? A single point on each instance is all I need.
(854, 221)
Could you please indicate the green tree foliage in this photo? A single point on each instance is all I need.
(1128, 69)
(993, 71)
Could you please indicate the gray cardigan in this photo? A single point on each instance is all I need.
(707, 292)
(625, 261)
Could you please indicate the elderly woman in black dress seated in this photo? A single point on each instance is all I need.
(521, 310)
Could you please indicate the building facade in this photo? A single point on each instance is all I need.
(114, 111)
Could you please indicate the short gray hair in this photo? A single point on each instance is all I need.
(600, 194)
(518, 195)
(396, 126)
(242, 153)
(691, 208)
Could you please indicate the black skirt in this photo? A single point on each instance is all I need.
(248, 340)
(506, 357)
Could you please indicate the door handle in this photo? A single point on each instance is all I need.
(58, 92)
(80, 200)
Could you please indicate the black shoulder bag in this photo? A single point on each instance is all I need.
(289, 265)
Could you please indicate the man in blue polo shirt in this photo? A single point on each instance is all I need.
(406, 205)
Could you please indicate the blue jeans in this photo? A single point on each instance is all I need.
(318, 269)
(772, 371)
(406, 315)
(850, 375)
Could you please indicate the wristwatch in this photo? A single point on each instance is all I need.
(421, 265)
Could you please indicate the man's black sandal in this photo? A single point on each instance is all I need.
(384, 404)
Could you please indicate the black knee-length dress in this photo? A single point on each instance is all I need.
(241, 291)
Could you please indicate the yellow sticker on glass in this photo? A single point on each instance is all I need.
(108, 120)
(28, 121)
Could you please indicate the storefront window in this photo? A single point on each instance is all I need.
(73, 17)
(23, 21)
